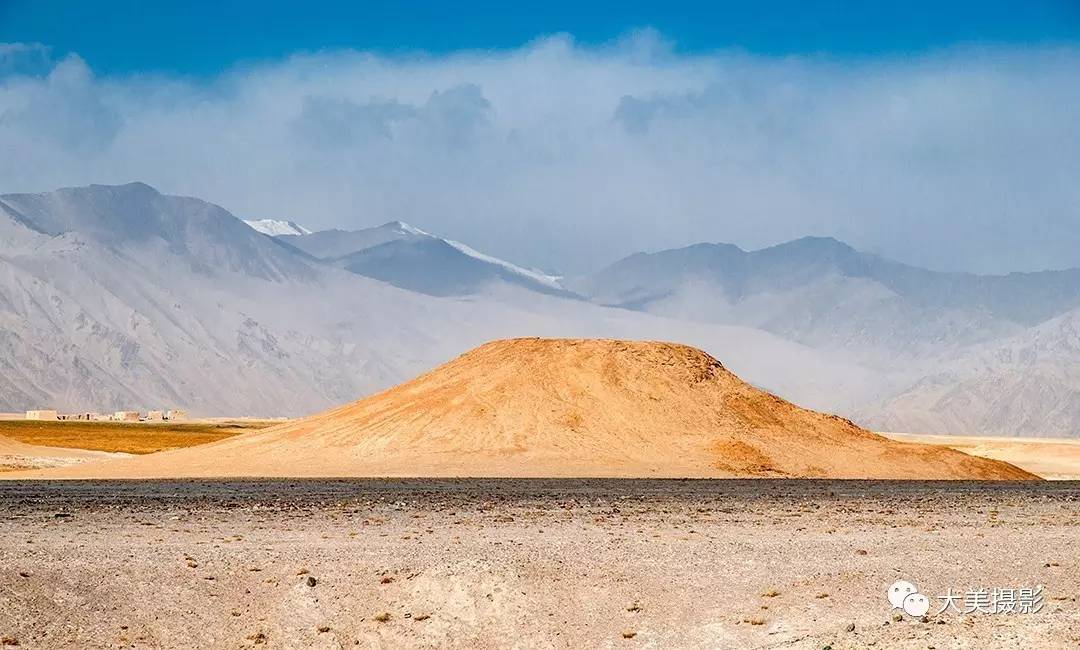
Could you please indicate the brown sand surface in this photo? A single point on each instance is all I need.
(1051, 458)
(565, 408)
(16, 455)
(540, 564)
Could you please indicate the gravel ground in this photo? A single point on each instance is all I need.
(530, 564)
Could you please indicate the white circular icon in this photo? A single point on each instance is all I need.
(899, 591)
(916, 605)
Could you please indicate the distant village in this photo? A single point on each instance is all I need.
(173, 415)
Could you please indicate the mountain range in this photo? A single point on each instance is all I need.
(119, 296)
(116, 297)
(824, 293)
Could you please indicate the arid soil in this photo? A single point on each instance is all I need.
(530, 564)
(16, 455)
(1056, 459)
(564, 408)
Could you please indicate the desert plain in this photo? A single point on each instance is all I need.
(530, 563)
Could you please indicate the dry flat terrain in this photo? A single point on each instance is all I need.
(564, 408)
(530, 564)
(126, 437)
(15, 456)
(1051, 458)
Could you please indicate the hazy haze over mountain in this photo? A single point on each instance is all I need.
(824, 293)
(120, 297)
(1025, 384)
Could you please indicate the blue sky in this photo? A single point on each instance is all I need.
(200, 37)
(568, 135)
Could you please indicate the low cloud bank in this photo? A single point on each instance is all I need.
(558, 155)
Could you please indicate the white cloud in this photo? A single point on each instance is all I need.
(565, 156)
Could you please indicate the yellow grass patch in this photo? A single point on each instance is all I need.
(131, 438)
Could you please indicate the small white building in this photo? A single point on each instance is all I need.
(126, 416)
(42, 414)
(155, 416)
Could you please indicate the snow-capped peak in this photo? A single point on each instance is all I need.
(548, 280)
(406, 229)
(276, 227)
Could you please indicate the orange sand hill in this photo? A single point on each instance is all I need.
(560, 408)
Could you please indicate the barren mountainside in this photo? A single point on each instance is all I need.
(1027, 384)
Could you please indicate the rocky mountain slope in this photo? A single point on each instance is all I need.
(118, 297)
(1027, 384)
